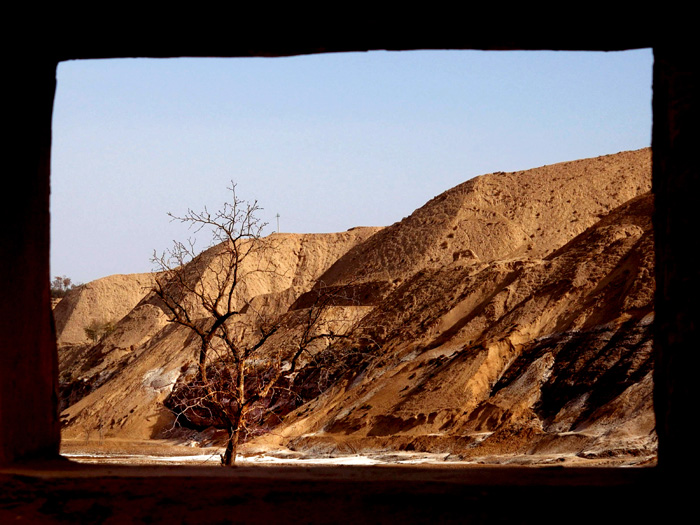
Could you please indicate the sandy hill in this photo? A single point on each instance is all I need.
(101, 301)
(120, 382)
(499, 216)
(511, 313)
(524, 355)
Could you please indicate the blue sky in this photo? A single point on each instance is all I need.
(329, 142)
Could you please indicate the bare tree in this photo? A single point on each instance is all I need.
(205, 292)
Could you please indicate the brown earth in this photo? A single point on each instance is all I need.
(510, 315)
(498, 217)
(105, 300)
(119, 384)
(527, 356)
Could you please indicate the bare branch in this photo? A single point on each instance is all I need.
(238, 366)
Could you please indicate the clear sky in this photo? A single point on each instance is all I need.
(329, 142)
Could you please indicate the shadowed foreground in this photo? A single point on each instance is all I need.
(65, 492)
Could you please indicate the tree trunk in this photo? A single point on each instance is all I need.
(229, 457)
(203, 361)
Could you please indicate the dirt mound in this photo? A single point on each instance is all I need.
(499, 216)
(105, 300)
(525, 355)
(511, 314)
(116, 388)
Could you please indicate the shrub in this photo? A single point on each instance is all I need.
(97, 330)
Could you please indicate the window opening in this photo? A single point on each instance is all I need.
(328, 143)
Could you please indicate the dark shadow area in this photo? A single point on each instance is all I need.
(37, 487)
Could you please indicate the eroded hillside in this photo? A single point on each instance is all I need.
(116, 387)
(511, 314)
(549, 355)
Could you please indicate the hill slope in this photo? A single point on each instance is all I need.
(510, 314)
(522, 355)
(117, 386)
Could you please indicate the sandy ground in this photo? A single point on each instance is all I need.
(159, 452)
